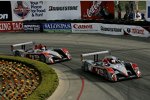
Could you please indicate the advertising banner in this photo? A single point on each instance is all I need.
(56, 27)
(148, 10)
(111, 29)
(136, 31)
(5, 12)
(11, 26)
(58, 10)
(28, 10)
(97, 9)
(84, 27)
(31, 27)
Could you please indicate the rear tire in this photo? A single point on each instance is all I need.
(42, 58)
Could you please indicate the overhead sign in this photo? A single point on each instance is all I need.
(57, 27)
(84, 27)
(58, 10)
(28, 10)
(5, 12)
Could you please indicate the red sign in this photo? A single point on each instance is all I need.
(137, 31)
(97, 9)
(11, 26)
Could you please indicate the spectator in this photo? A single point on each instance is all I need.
(119, 10)
(131, 16)
(138, 16)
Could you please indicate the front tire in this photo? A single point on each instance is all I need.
(85, 67)
(17, 53)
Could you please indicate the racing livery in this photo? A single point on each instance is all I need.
(110, 67)
(40, 52)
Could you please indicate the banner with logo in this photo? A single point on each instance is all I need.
(56, 27)
(148, 10)
(5, 11)
(58, 10)
(28, 10)
(97, 9)
(111, 29)
(11, 26)
(136, 31)
(31, 27)
(85, 27)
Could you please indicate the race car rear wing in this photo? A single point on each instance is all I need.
(22, 45)
(95, 54)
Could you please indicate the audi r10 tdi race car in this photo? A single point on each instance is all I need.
(40, 52)
(109, 67)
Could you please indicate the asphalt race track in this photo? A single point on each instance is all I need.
(87, 86)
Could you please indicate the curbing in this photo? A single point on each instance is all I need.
(62, 86)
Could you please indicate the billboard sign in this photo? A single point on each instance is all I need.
(28, 10)
(11, 26)
(58, 10)
(111, 29)
(56, 27)
(31, 27)
(97, 9)
(84, 27)
(136, 31)
(5, 12)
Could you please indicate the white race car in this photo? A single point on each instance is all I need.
(40, 52)
(110, 67)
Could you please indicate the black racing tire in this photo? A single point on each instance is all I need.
(106, 75)
(84, 67)
(17, 53)
(43, 58)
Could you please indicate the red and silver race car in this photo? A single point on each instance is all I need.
(40, 52)
(110, 67)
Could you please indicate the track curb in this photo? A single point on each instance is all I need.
(62, 86)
